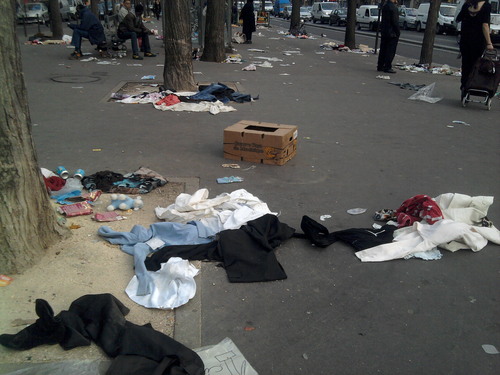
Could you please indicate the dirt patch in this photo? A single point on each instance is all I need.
(82, 264)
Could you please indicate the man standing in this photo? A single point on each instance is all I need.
(248, 17)
(389, 32)
(132, 28)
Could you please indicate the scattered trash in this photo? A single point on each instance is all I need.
(148, 77)
(134, 64)
(324, 217)
(305, 356)
(224, 359)
(490, 349)
(407, 86)
(250, 67)
(108, 216)
(229, 180)
(249, 168)
(383, 77)
(74, 226)
(320, 53)
(5, 280)
(356, 211)
(255, 50)
(233, 59)
(425, 94)
(96, 149)
(249, 328)
(266, 64)
(232, 165)
(89, 59)
(268, 58)
(460, 122)
(76, 209)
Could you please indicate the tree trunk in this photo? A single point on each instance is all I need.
(295, 17)
(214, 32)
(350, 28)
(430, 33)
(55, 19)
(27, 219)
(178, 69)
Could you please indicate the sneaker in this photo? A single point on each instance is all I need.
(149, 54)
(75, 55)
(137, 57)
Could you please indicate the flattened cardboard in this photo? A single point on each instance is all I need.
(260, 142)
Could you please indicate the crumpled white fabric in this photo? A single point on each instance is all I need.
(424, 237)
(464, 208)
(225, 211)
(212, 107)
(173, 285)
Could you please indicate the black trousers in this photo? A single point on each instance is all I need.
(471, 52)
(387, 52)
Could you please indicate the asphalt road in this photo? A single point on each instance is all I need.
(445, 46)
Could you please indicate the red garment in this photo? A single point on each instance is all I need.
(420, 207)
(54, 183)
(168, 100)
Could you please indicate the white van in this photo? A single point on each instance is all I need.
(321, 11)
(494, 18)
(367, 16)
(446, 18)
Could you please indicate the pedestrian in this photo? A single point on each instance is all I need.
(248, 17)
(157, 9)
(125, 9)
(475, 35)
(90, 27)
(389, 36)
(132, 28)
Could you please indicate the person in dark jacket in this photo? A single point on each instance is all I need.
(389, 36)
(132, 28)
(90, 27)
(475, 35)
(248, 17)
(157, 9)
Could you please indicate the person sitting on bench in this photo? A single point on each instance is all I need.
(90, 27)
(132, 28)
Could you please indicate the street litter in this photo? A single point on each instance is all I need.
(250, 67)
(255, 50)
(425, 94)
(134, 64)
(460, 122)
(284, 74)
(265, 64)
(490, 349)
(324, 217)
(149, 77)
(268, 58)
(229, 180)
(76, 209)
(108, 216)
(407, 86)
(356, 211)
(233, 59)
(232, 165)
(383, 77)
(89, 59)
(291, 52)
(319, 53)
(225, 359)
(5, 280)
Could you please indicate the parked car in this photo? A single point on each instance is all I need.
(321, 11)
(407, 18)
(33, 12)
(338, 17)
(367, 15)
(305, 13)
(446, 18)
(287, 12)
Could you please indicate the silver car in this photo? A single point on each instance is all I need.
(33, 12)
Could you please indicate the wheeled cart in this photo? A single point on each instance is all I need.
(483, 80)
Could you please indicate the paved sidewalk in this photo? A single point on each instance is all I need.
(361, 143)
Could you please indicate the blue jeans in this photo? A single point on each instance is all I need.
(133, 39)
(76, 40)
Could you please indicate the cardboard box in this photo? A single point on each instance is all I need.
(260, 142)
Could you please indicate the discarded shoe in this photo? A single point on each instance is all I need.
(46, 330)
(149, 54)
(137, 57)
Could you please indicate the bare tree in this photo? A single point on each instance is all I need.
(55, 19)
(178, 68)
(430, 33)
(28, 221)
(350, 28)
(214, 32)
(295, 17)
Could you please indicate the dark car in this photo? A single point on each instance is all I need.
(338, 17)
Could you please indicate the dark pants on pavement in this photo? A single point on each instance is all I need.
(76, 39)
(387, 52)
(133, 39)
